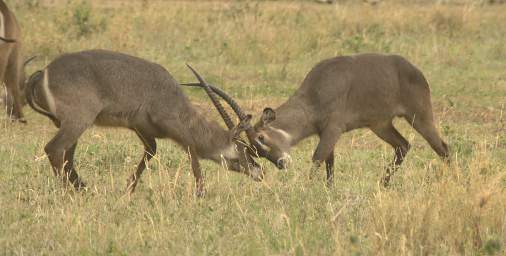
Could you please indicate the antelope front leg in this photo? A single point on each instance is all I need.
(389, 134)
(329, 165)
(324, 152)
(149, 152)
(197, 172)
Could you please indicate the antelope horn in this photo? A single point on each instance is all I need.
(233, 104)
(216, 102)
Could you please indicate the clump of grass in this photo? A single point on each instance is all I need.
(445, 22)
(84, 20)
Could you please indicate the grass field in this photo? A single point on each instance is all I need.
(260, 52)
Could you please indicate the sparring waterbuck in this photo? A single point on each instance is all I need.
(107, 88)
(342, 94)
(11, 65)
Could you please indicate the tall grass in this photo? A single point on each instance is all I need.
(260, 52)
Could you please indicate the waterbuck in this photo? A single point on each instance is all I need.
(342, 94)
(105, 88)
(11, 65)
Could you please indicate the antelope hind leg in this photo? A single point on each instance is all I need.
(60, 151)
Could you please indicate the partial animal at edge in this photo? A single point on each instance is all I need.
(11, 63)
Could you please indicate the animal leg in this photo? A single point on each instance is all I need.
(197, 172)
(14, 95)
(329, 165)
(324, 149)
(426, 128)
(70, 172)
(149, 152)
(3, 67)
(60, 151)
(390, 135)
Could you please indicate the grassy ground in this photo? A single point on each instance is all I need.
(260, 52)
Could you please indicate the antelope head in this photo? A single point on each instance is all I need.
(270, 142)
(241, 159)
(265, 140)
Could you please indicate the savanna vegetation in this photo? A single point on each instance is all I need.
(259, 52)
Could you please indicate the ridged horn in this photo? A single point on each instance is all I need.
(233, 104)
(237, 109)
(216, 102)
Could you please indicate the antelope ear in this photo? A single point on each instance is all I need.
(268, 116)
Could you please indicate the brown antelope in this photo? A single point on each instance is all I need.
(11, 65)
(342, 94)
(106, 88)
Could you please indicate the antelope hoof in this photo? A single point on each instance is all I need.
(18, 119)
(79, 185)
(385, 181)
(200, 193)
(330, 183)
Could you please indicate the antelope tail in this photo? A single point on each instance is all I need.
(34, 79)
(7, 40)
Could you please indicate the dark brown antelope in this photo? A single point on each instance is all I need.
(106, 88)
(342, 94)
(11, 64)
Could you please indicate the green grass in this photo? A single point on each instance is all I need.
(260, 52)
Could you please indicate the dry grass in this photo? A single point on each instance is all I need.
(260, 52)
